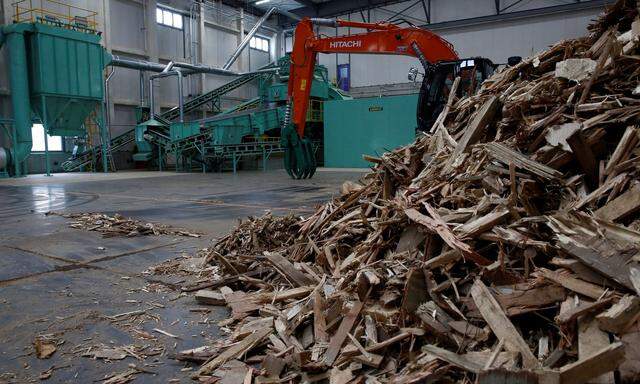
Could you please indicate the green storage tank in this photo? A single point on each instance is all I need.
(369, 126)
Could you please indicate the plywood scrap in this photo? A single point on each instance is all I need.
(590, 340)
(599, 362)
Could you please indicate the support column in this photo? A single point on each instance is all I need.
(201, 48)
(242, 58)
(45, 124)
(151, 39)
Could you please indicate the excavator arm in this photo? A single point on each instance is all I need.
(380, 38)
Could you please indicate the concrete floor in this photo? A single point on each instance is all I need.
(58, 280)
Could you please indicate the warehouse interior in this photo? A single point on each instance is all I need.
(301, 191)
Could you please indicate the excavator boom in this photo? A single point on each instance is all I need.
(380, 38)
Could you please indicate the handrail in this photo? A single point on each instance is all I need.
(25, 11)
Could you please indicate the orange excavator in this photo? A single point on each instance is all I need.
(437, 56)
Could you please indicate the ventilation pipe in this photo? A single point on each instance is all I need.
(247, 38)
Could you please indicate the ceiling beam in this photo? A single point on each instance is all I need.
(342, 7)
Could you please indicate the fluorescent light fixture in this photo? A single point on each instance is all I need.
(261, 2)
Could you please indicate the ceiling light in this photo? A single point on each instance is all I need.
(261, 2)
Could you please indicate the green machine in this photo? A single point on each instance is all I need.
(56, 68)
(251, 128)
(369, 126)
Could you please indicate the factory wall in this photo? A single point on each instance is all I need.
(496, 40)
(130, 30)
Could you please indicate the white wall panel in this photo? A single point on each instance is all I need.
(495, 40)
(170, 43)
(127, 21)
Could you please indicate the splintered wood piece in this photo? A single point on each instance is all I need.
(602, 361)
(500, 323)
(482, 224)
(571, 283)
(623, 149)
(340, 336)
(287, 269)
(622, 206)
(441, 228)
(507, 155)
(475, 129)
(235, 351)
(453, 358)
(581, 309)
(621, 315)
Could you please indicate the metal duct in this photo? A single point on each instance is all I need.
(247, 38)
(191, 68)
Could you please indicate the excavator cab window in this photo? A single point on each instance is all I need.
(438, 81)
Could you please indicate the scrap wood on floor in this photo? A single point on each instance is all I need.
(502, 245)
(118, 225)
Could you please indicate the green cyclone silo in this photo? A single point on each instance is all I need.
(56, 73)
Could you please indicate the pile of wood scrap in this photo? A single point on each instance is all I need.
(500, 247)
(118, 225)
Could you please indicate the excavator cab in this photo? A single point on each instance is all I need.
(437, 83)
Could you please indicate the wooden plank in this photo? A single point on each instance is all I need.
(340, 336)
(602, 361)
(590, 340)
(500, 323)
(622, 206)
(585, 157)
(571, 283)
(319, 322)
(287, 269)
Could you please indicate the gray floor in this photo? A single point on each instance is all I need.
(56, 280)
